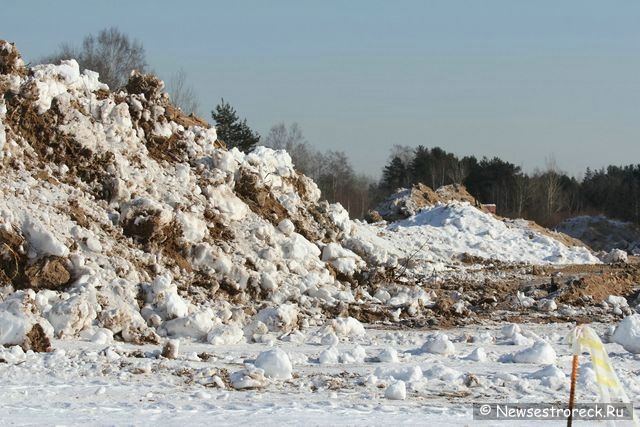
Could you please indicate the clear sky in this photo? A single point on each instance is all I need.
(522, 80)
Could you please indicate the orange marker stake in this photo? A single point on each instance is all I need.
(572, 392)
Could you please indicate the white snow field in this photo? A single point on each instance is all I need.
(85, 383)
(150, 276)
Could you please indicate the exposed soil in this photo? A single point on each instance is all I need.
(252, 191)
(37, 340)
(18, 270)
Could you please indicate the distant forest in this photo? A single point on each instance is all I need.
(546, 196)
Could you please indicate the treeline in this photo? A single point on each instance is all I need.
(545, 196)
(331, 170)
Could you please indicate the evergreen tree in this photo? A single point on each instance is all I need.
(232, 131)
(395, 175)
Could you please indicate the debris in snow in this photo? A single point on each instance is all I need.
(248, 378)
(171, 348)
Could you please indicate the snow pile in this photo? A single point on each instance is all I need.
(120, 213)
(438, 343)
(447, 230)
(627, 333)
(275, 364)
(541, 352)
(396, 391)
(405, 203)
(614, 256)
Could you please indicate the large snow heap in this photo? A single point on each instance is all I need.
(117, 211)
(121, 215)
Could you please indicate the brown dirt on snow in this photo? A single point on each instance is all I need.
(147, 229)
(49, 272)
(251, 190)
(37, 340)
(9, 59)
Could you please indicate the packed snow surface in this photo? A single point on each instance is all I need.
(87, 383)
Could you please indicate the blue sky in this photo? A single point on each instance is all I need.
(522, 80)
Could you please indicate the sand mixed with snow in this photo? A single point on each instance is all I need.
(126, 228)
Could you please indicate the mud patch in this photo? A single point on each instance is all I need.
(51, 145)
(252, 191)
(148, 230)
(175, 115)
(10, 59)
(36, 340)
(218, 230)
(12, 257)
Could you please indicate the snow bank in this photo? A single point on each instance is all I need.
(446, 230)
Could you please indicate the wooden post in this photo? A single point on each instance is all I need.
(572, 392)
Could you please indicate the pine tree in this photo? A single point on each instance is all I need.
(232, 131)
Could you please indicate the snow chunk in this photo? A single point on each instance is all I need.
(41, 239)
(438, 343)
(540, 352)
(356, 355)
(286, 227)
(329, 356)
(196, 325)
(72, 315)
(225, 335)
(250, 377)
(615, 256)
(342, 259)
(627, 334)
(477, 355)
(163, 295)
(550, 376)
(405, 373)
(345, 327)
(389, 355)
(396, 391)
(275, 363)
(509, 330)
(281, 319)
(12, 328)
(193, 229)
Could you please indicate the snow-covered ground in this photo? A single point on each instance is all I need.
(360, 377)
(128, 232)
